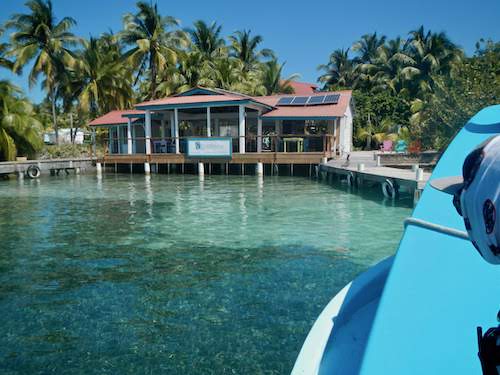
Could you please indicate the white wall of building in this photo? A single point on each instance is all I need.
(346, 132)
(64, 137)
(348, 129)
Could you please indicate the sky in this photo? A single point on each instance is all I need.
(302, 33)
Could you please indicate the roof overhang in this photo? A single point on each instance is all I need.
(198, 90)
(115, 118)
(154, 116)
(264, 117)
(206, 104)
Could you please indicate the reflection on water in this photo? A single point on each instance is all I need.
(173, 274)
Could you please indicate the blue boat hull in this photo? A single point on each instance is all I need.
(438, 289)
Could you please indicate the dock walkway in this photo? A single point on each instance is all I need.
(362, 166)
(50, 165)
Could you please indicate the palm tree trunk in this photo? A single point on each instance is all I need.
(369, 136)
(71, 135)
(152, 68)
(54, 115)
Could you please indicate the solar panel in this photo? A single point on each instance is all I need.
(298, 100)
(318, 99)
(332, 99)
(308, 100)
(285, 100)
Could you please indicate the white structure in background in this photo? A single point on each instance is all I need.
(64, 137)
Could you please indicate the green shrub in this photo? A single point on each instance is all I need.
(65, 151)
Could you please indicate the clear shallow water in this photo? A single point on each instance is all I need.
(173, 275)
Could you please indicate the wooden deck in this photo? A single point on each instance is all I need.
(404, 177)
(247, 158)
(408, 178)
(52, 165)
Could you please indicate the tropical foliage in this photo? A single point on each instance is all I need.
(422, 86)
(154, 40)
(4, 61)
(272, 78)
(151, 57)
(244, 48)
(97, 82)
(19, 127)
(207, 41)
(40, 38)
(469, 86)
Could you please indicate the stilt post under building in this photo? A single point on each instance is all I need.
(259, 169)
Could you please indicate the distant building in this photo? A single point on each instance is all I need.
(303, 88)
(49, 138)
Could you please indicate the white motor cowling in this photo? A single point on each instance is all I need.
(476, 196)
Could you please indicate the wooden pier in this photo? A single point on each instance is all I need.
(53, 166)
(247, 158)
(361, 168)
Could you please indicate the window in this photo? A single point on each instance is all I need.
(228, 128)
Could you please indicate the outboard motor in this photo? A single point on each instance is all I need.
(476, 197)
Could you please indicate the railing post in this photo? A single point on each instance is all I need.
(259, 131)
(110, 136)
(172, 128)
(176, 130)
(129, 136)
(241, 130)
(277, 130)
(147, 131)
(94, 153)
(209, 130)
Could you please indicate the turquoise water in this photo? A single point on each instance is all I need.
(171, 274)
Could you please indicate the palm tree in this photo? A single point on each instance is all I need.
(206, 38)
(154, 44)
(4, 47)
(101, 82)
(339, 72)
(367, 47)
(385, 70)
(41, 38)
(244, 47)
(224, 73)
(192, 70)
(19, 128)
(378, 131)
(272, 79)
(430, 53)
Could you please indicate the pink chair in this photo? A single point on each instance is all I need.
(386, 146)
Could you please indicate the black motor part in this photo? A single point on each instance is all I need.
(489, 350)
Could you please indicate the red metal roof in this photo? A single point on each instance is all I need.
(304, 112)
(115, 117)
(191, 99)
(324, 110)
(194, 99)
(303, 88)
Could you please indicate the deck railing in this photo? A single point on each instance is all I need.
(301, 143)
